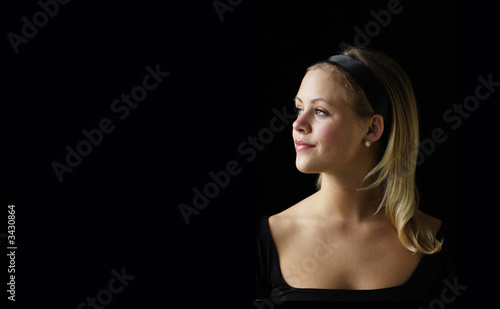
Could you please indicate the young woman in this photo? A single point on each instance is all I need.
(361, 235)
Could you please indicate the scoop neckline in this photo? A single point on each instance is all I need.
(282, 279)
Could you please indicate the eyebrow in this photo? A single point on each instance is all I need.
(314, 100)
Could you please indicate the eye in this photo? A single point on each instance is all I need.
(320, 112)
(298, 111)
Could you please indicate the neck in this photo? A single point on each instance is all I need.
(341, 198)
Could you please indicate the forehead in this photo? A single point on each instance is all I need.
(320, 83)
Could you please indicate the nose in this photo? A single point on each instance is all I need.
(301, 124)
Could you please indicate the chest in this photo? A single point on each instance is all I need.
(352, 261)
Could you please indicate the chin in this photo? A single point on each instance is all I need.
(306, 167)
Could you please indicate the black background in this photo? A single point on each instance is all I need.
(119, 207)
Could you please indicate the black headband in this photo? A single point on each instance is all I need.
(371, 85)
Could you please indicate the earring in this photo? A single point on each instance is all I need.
(368, 144)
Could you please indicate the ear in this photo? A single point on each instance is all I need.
(375, 128)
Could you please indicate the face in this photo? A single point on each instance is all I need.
(328, 135)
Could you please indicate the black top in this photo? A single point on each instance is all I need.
(433, 274)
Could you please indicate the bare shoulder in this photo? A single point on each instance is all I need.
(285, 223)
(433, 223)
(282, 223)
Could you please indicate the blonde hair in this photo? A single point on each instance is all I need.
(395, 172)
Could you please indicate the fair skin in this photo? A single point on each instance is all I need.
(332, 239)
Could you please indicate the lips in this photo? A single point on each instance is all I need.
(302, 145)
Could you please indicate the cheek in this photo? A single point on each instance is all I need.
(332, 135)
(338, 141)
